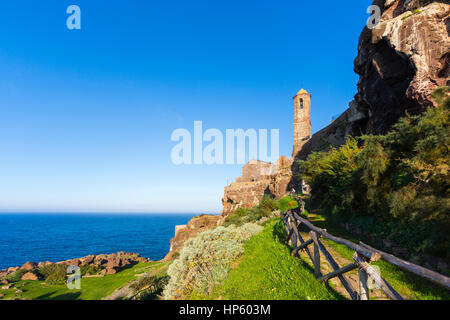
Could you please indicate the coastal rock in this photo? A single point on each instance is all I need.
(99, 261)
(29, 276)
(7, 287)
(29, 266)
(73, 262)
(13, 269)
(182, 233)
(111, 270)
(43, 264)
(88, 259)
(141, 259)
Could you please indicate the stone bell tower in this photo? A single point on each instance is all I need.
(302, 120)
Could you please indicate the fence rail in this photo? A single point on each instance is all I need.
(364, 255)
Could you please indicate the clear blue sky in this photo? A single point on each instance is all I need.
(86, 115)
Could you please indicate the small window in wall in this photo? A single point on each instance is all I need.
(301, 103)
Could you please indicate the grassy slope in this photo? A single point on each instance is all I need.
(267, 271)
(406, 283)
(91, 288)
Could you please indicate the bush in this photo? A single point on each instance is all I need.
(89, 270)
(264, 209)
(205, 260)
(54, 273)
(287, 203)
(17, 276)
(148, 288)
(56, 278)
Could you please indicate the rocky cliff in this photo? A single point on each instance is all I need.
(400, 63)
(182, 233)
(258, 179)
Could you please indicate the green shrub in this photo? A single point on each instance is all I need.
(397, 182)
(17, 276)
(287, 203)
(264, 209)
(205, 260)
(47, 270)
(56, 278)
(54, 273)
(148, 288)
(89, 270)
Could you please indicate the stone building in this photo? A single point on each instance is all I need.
(302, 120)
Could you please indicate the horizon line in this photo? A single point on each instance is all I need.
(106, 212)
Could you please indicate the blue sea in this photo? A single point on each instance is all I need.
(58, 237)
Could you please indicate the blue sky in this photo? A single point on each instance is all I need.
(86, 115)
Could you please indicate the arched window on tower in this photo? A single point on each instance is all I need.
(301, 103)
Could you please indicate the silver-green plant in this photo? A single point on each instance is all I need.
(204, 261)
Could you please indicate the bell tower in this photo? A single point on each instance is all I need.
(302, 120)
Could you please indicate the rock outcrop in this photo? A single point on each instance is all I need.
(195, 226)
(400, 63)
(29, 266)
(30, 276)
(104, 263)
(258, 179)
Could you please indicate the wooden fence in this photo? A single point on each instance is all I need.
(364, 255)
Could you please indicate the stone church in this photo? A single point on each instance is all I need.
(259, 177)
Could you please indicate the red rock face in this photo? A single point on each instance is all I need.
(248, 190)
(400, 63)
(195, 226)
(29, 266)
(29, 276)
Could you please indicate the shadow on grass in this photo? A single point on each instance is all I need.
(64, 296)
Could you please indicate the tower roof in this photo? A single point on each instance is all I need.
(302, 91)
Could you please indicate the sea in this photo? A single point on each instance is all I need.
(58, 237)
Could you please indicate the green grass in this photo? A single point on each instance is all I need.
(412, 14)
(267, 271)
(91, 288)
(407, 284)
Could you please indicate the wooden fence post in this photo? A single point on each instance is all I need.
(363, 284)
(316, 261)
(294, 229)
(382, 284)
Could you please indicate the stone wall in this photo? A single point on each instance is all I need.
(273, 180)
(184, 232)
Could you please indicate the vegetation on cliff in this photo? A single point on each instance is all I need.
(264, 209)
(205, 260)
(394, 185)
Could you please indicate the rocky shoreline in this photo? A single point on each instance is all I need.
(95, 265)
